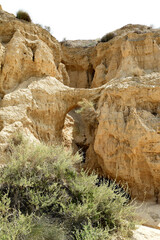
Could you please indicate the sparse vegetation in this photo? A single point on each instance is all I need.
(85, 105)
(88, 112)
(42, 196)
(47, 28)
(23, 16)
(108, 37)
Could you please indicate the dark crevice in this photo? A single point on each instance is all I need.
(82, 151)
(156, 194)
(154, 113)
(33, 52)
(90, 74)
(1, 125)
(2, 65)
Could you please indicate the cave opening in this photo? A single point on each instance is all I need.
(74, 133)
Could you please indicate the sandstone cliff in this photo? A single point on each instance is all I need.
(127, 138)
(125, 145)
(26, 50)
(42, 80)
(133, 51)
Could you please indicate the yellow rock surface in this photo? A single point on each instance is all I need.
(42, 80)
(128, 138)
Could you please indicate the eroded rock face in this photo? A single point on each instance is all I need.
(128, 136)
(77, 57)
(126, 143)
(133, 51)
(41, 81)
(32, 102)
(26, 50)
(38, 108)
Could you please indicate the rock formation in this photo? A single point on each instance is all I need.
(26, 50)
(128, 138)
(126, 141)
(77, 57)
(146, 233)
(42, 82)
(38, 108)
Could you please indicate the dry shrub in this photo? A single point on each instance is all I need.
(108, 37)
(23, 16)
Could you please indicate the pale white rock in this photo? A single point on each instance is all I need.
(146, 233)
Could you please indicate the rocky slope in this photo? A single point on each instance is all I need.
(42, 81)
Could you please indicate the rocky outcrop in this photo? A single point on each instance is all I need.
(42, 81)
(77, 57)
(132, 52)
(128, 138)
(26, 50)
(125, 145)
(32, 77)
(146, 233)
(38, 108)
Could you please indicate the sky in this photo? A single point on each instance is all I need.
(86, 19)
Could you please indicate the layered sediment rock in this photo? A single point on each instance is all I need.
(126, 142)
(128, 135)
(77, 57)
(133, 51)
(26, 50)
(38, 108)
(41, 81)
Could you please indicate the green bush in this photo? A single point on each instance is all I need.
(46, 229)
(108, 37)
(23, 16)
(89, 232)
(42, 192)
(13, 224)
